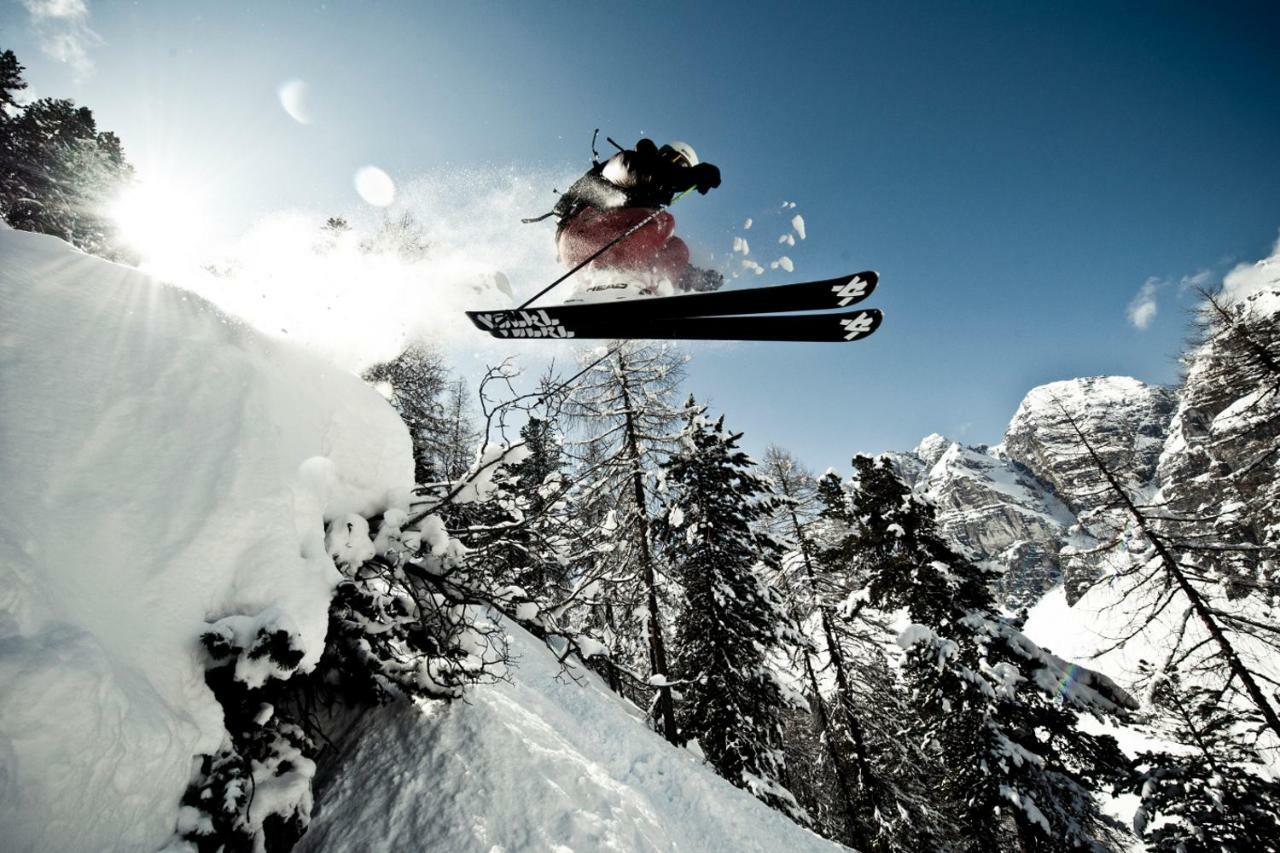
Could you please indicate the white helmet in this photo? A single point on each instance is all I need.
(677, 151)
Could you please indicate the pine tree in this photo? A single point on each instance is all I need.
(414, 382)
(815, 583)
(547, 529)
(1216, 795)
(11, 82)
(1176, 565)
(731, 702)
(1001, 712)
(623, 404)
(58, 172)
(455, 448)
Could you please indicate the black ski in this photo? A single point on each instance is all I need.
(805, 296)
(542, 323)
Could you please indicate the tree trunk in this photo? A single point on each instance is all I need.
(657, 647)
(853, 834)
(1179, 578)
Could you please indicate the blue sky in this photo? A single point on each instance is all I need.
(1016, 171)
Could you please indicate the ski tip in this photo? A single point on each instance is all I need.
(870, 277)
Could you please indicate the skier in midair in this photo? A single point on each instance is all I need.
(619, 193)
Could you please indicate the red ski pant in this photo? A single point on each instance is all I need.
(651, 248)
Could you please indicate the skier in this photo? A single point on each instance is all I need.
(622, 192)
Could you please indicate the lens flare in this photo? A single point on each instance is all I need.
(375, 186)
(295, 99)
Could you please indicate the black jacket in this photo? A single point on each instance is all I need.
(639, 177)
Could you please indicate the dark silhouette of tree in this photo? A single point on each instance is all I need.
(59, 174)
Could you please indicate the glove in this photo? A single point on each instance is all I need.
(705, 176)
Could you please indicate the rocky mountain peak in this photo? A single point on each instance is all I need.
(1125, 420)
(931, 448)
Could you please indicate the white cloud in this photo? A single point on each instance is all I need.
(1142, 310)
(63, 29)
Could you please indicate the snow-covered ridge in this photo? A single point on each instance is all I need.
(163, 467)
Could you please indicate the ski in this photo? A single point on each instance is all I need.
(840, 327)
(839, 292)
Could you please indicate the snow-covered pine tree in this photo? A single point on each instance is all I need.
(1002, 712)
(732, 623)
(456, 448)
(527, 536)
(871, 711)
(810, 594)
(414, 382)
(548, 530)
(11, 83)
(623, 407)
(1217, 794)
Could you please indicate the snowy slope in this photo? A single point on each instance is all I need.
(537, 764)
(162, 466)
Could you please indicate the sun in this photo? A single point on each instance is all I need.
(160, 220)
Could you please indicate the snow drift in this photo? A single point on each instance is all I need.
(164, 466)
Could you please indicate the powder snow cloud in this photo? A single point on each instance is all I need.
(63, 29)
(1248, 279)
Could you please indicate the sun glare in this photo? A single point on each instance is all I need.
(162, 221)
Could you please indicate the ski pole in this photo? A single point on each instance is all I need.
(606, 247)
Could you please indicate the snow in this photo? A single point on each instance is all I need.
(358, 305)
(740, 244)
(539, 763)
(797, 223)
(1084, 395)
(165, 467)
(170, 471)
(785, 262)
(1256, 285)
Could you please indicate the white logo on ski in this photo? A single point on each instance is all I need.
(856, 327)
(850, 290)
(524, 324)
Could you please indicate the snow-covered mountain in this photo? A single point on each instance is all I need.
(165, 467)
(993, 509)
(1032, 503)
(1013, 505)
